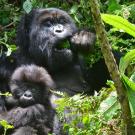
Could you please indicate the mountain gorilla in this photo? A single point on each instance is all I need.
(40, 35)
(41, 39)
(32, 112)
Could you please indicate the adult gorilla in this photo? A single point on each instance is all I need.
(41, 35)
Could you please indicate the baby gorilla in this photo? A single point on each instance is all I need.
(32, 113)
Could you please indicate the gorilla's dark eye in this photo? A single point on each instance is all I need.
(62, 20)
(47, 23)
(17, 93)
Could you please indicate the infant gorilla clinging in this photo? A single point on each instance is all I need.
(32, 112)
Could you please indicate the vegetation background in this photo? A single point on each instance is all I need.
(99, 114)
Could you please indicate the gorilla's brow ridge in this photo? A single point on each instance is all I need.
(45, 15)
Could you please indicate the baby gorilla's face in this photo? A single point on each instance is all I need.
(29, 94)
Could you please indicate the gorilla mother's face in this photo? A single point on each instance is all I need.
(48, 29)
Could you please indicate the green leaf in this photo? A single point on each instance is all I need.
(10, 48)
(132, 78)
(8, 53)
(113, 5)
(129, 83)
(27, 6)
(77, 19)
(126, 60)
(7, 94)
(5, 124)
(85, 120)
(109, 106)
(130, 86)
(73, 9)
(120, 23)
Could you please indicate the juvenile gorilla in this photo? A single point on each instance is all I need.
(32, 112)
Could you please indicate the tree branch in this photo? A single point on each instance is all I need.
(112, 67)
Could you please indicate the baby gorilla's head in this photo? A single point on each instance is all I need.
(30, 85)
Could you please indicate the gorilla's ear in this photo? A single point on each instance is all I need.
(22, 38)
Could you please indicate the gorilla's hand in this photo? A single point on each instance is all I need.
(83, 40)
(22, 116)
(18, 117)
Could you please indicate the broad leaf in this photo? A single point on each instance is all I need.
(109, 106)
(128, 82)
(27, 6)
(126, 60)
(130, 86)
(119, 23)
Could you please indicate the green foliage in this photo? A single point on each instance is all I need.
(127, 12)
(118, 38)
(119, 42)
(110, 106)
(4, 44)
(93, 57)
(8, 12)
(90, 115)
(9, 16)
(7, 94)
(6, 126)
(122, 24)
(126, 60)
(119, 23)
(128, 81)
(113, 5)
(64, 44)
(119, 7)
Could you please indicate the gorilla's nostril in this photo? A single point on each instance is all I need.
(27, 94)
(58, 31)
(58, 28)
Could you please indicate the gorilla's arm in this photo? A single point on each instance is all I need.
(22, 116)
(25, 131)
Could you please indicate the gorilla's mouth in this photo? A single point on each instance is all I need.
(64, 45)
(24, 103)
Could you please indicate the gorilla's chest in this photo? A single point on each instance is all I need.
(70, 81)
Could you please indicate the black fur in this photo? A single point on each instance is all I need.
(32, 109)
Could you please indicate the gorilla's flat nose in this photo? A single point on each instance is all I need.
(59, 28)
(27, 94)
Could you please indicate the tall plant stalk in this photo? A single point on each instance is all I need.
(112, 68)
